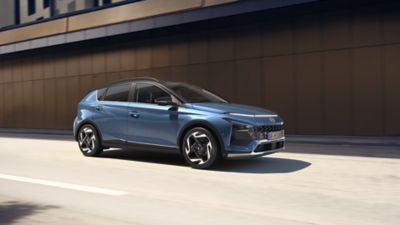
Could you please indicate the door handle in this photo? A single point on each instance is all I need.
(99, 108)
(134, 114)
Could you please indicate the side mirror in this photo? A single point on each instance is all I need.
(165, 101)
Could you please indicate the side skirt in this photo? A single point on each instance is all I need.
(140, 146)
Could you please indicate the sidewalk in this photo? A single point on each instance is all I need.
(37, 134)
(35, 131)
(306, 139)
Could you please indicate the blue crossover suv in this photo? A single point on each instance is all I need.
(148, 114)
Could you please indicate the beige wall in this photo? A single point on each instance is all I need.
(331, 73)
(34, 31)
(40, 12)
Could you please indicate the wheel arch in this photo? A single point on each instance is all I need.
(205, 125)
(90, 122)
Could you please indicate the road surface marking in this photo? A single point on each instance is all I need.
(76, 187)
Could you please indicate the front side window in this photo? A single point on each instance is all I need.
(149, 93)
(118, 93)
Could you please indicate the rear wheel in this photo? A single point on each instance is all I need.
(89, 141)
(200, 148)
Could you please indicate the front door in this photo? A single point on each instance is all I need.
(150, 122)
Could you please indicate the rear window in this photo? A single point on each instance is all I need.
(91, 96)
(117, 93)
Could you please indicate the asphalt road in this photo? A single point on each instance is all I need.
(50, 182)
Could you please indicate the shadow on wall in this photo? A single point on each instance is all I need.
(13, 211)
(267, 164)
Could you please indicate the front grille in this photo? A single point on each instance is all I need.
(269, 146)
(272, 128)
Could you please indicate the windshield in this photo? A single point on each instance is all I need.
(193, 94)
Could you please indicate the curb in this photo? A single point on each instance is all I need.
(36, 131)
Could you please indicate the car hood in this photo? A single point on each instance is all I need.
(231, 108)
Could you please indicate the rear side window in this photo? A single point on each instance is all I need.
(118, 93)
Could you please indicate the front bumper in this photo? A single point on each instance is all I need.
(75, 127)
(263, 147)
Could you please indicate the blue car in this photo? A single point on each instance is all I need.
(149, 114)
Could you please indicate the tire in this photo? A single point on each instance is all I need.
(200, 148)
(89, 141)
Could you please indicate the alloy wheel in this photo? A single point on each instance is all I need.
(87, 140)
(198, 148)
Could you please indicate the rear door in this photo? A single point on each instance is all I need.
(112, 111)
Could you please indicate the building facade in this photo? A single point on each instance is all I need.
(328, 67)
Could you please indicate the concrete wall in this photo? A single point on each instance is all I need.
(330, 72)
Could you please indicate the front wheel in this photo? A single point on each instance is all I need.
(200, 148)
(89, 141)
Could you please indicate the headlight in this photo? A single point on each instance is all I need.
(241, 127)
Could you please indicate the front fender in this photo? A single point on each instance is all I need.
(220, 128)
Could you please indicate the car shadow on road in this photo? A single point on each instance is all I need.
(12, 211)
(266, 164)
(145, 156)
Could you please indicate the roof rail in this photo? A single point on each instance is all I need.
(145, 78)
(135, 78)
(127, 80)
